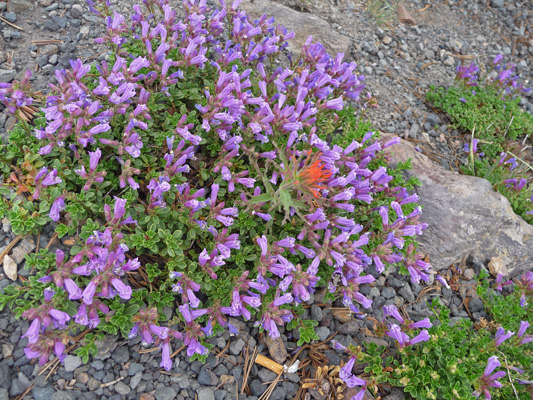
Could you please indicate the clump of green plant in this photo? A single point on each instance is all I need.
(461, 360)
(487, 108)
(190, 169)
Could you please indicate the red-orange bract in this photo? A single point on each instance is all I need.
(313, 174)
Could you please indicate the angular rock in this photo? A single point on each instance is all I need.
(349, 328)
(26, 246)
(207, 377)
(4, 394)
(105, 347)
(7, 75)
(10, 268)
(43, 393)
(72, 362)
(206, 394)
(165, 393)
(462, 213)
(5, 380)
(236, 346)
(303, 25)
(122, 389)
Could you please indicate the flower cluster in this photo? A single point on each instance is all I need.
(232, 186)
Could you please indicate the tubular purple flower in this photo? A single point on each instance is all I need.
(166, 362)
(33, 331)
(285, 299)
(501, 336)
(51, 179)
(425, 323)
(57, 207)
(423, 336)
(94, 159)
(393, 312)
(523, 327)
(492, 364)
(124, 291)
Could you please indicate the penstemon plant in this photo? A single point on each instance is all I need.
(191, 169)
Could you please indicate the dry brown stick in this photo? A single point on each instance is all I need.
(248, 367)
(10, 24)
(43, 42)
(223, 350)
(9, 247)
(21, 396)
(177, 351)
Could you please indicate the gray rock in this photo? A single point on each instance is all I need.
(76, 11)
(461, 212)
(323, 332)
(475, 305)
(63, 395)
(121, 355)
(60, 21)
(497, 3)
(349, 328)
(97, 365)
(135, 380)
(51, 25)
(469, 274)
(407, 293)
(43, 393)
(279, 393)
(220, 394)
(316, 313)
(42, 60)
(7, 75)
(257, 388)
(266, 375)
(17, 387)
(134, 368)
(206, 394)
(3, 5)
(303, 25)
(388, 293)
(207, 377)
(293, 377)
(165, 393)
(10, 16)
(72, 362)
(236, 346)
(4, 394)
(122, 389)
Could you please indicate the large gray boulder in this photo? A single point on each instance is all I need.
(303, 25)
(466, 217)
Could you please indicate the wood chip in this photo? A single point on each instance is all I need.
(404, 16)
(342, 314)
(268, 363)
(10, 268)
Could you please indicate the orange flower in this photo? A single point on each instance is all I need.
(313, 174)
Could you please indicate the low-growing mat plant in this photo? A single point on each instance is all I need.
(498, 132)
(190, 171)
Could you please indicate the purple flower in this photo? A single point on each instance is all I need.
(57, 207)
(501, 336)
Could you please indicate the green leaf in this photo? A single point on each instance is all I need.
(262, 198)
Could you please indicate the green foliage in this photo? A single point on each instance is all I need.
(485, 113)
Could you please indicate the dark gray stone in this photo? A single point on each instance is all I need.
(316, 313)
(207, 377)
(407, 293)
(5, 380)
(97, 365)
(121, 355)
(134, 368)
(51, 25)
(43, 393)
(395, 282)
(4, 394)
(323, 332)
(349, 328)
(165, 393)
(475, 305)
(7, 75)
(295, 378)
(221, 370)
(60, 21)
(388, 293)
(17, 387)
(42, 60)
(206, 394)
(72, 362)
(266, 375)
(220, 394)
(236, 346)
(257, 388)
(279, 393)
(10, 16)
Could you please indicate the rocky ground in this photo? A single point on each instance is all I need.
(399, 63)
